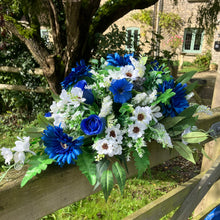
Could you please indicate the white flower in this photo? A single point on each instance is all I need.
(106, 107)
(114, 74)
(152, 96)
(162, 136)
(22, 145)
(142, 115)
(54, 108)
(115, 133)
(139, 66)
(59, 120)
(7, 155)
(76, 97)
(189, 96)
(155, 113)
(108, 147)
(136, 130)
(128, 72)
(139, 98)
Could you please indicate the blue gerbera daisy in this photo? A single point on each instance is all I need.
(61, 147)
(121, 90)
(118, 61)
(178, 102)
(77, 73)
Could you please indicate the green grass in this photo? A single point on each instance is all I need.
(188, 68)
(138, 193)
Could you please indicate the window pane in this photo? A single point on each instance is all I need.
(129, 38)
(135, 38)
(197, 43)
(188, 40)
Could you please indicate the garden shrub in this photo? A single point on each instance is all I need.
(203, 60)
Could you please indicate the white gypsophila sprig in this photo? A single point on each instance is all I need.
(7, 155)
(204, 109)
(138, 145)
(142, 115)
(106, 108)
(107, 147)
(115, 133)
(161, 136)
(136, 130)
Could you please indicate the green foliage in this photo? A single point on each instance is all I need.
(141, 163)
(185, 77)
(203, 60)
(107, 183)
(144, 16)
(38, 163)
(184, 151)
(195, 137)
(165, 97)
(17, 55)
(86, 164)
(120, 175)
(170, 22)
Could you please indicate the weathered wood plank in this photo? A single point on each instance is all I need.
(165, 204)
(199, 191)
(22, 88)
(8, 69)
(55, 188)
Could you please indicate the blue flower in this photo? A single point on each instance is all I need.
(76, 74)
(118, 61)
(92, 125)
(121, 90)
(48, 114)
(61, 147)
(87, 93)
(178, 102)
(155, 66)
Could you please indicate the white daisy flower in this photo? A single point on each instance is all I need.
(108, 147)
(106, 106)
(7, 155)
(136, 130)
(115, 133)
(129, 72)
(142, 115)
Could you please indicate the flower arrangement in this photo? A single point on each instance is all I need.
(111, 110)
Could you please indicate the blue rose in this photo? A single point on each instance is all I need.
(92, 125)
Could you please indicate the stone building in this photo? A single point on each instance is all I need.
(194, 40)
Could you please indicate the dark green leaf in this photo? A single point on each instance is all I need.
(107, 183)
(120, 175)
(185, 77)
(191, 86)
(170, 122)
(34, 132)
(86, 164)
(189, 112)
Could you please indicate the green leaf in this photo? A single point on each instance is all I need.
(101, 166)
(189, 112)
(164, 97)
(184, 151)
(141, 163)
(120, 175)
(34, 132)
(107, 183)
(86, 164)
(195, 137)
(170, 122)
(185, 77)
(191, 87)
(42, 121)
(126, 108)
(38, 163)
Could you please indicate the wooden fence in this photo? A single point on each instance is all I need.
(6, 69)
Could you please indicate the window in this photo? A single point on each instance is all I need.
(193, 40)
(132, 38)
